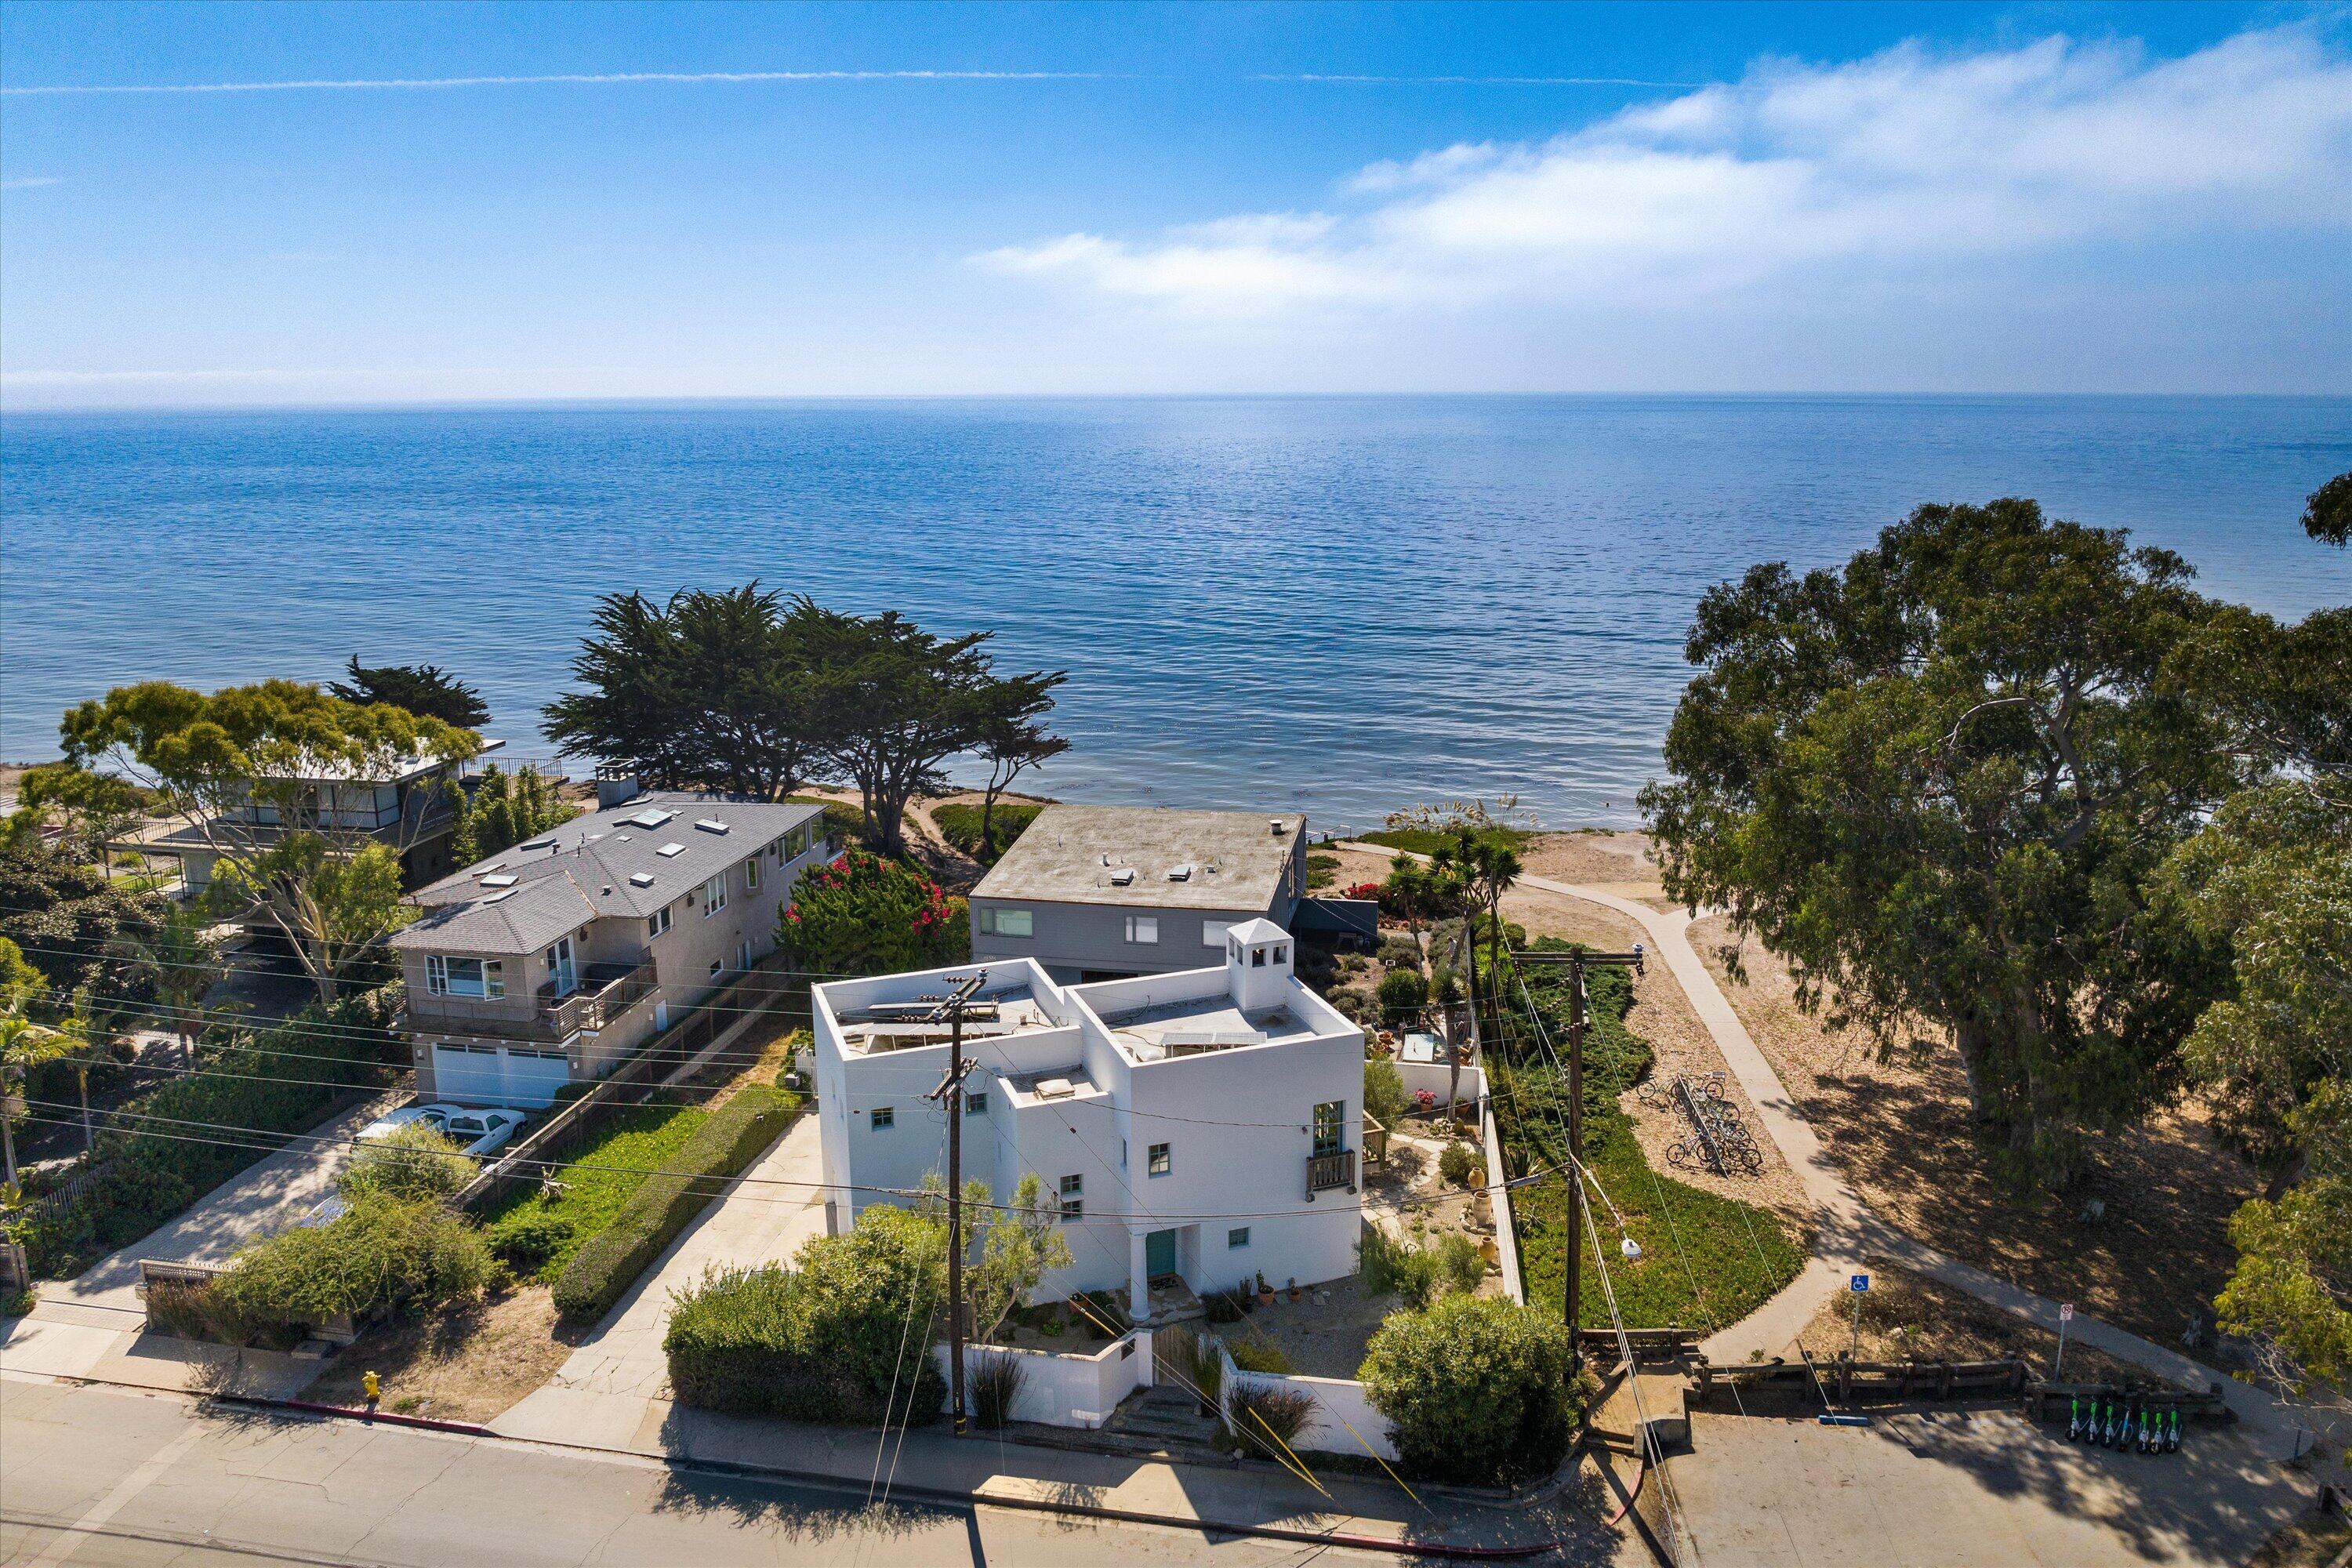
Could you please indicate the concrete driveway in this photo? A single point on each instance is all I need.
(620, 1367)
(1969, 1490)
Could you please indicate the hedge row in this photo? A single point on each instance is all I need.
(157, 1155)
(602, 1271)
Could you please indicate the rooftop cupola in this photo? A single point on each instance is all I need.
(1257, 965)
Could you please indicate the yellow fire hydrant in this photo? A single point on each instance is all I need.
(372, 1386)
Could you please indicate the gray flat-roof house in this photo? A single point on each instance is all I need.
(548, 963)
(1097, 893)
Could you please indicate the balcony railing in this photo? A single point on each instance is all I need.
(610, 990)
(1325, 1171)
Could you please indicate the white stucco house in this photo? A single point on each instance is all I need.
(1196, 1128)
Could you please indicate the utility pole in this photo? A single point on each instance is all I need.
(951, 1091)
(1578, 960)
(1452, 1046)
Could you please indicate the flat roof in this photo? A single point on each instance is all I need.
(1203, 1024)
(889, 1022)
(1073, 855)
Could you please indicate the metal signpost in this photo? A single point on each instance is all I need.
(1858, 1286)
(2065, 1316)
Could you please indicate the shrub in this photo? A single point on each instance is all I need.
(1390, 1267)
(602, 1271)
(866, 915)
(1268, 1421)
(1398, 951)
(1454, 1164)
(1460, 1265)
(527, 1240)
(386, 1253)
(1356, 1004)
(1369, 892)
(960, 825)
(995, 1384)
(1383, 1092)
(1222, 1307)
(1322, 871)
(1259, 1355)
(1403, 994)
(415, 1162)
(843, 1336)
(1476, 1388)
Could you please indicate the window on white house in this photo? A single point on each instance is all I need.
(714, 895)
(1257, 958)
(1280, 954)
(882, 1116)
(1007, 923)
(1237, 1236)
(482, 977)
(1073, 1197)
(1213, 933)
(975, 1103)
(751, 875)
(1158, 1162)
(658, 922)
(1330, 1120)
(1143, 929)
(716, 966)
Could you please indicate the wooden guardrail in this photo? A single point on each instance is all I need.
(1846, 1381)
(1647, 1344)
(2045, 1401)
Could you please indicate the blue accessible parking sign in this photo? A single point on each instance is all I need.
(1858, 1284)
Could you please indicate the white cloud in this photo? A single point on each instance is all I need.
(1795, 174)
(30, 182)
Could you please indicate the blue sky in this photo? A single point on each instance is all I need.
(1184, 198)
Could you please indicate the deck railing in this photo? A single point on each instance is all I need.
(1325, 1171)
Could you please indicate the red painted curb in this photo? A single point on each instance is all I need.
(353, 1413)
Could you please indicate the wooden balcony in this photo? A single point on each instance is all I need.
(1325, 1172)
(607, 991)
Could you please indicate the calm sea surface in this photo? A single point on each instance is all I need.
(1343, 605)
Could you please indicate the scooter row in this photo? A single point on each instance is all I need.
(2110, 1423)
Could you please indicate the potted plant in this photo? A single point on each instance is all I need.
(1291, 1285)
(1264, 1292)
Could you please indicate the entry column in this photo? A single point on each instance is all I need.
(1138, 1288)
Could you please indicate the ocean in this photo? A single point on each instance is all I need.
(1340, 606)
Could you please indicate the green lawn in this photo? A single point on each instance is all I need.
(1425, 841)
(1708, 1261)
(600, 1175)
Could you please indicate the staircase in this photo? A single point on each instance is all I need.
(1163, 1420)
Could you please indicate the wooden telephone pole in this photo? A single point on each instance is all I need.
(1577, 961)
(951, 1091)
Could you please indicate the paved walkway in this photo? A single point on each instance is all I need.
(1848, 1234)
(748, 1222)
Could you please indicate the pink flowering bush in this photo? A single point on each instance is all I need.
(866, 915)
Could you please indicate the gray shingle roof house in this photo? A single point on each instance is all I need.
(1096, 891)
(555, 959)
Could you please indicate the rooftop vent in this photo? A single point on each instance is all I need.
(500, 880)
(494, 897)
(711, 825)
(1123, 877)
(1053, 1088)
(1273, 826)
(651, 816)
(641, 878)
(1179, 873)
(666, 850)
(538, 844)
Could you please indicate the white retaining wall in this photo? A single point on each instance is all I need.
(1058, 1389)
(1507, 1233)
(1344, 1421)
(1418, 1076)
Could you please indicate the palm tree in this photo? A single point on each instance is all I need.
(24, 1046)
(180, 962)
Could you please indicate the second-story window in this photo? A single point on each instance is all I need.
(1143, 929)
(1007, 923)
(976, 1103)
(881, 1117)
(482, 977)
(714, 895)
(751, 875)
(1157, 1161)
(1074, 1198)
(658, 922)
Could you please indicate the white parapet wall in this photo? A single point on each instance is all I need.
(1344, 1422)
(1058, 1389)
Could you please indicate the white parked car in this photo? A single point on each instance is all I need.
(433, 1116)
(480, 1132)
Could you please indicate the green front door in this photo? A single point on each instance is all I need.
(1159, 1253)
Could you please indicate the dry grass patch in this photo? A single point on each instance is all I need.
(466, 1365)
(1900, 1133)
(1607, 858)
(1905, 1317)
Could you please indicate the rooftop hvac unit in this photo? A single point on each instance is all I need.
(1123, 877)
(1179, 873)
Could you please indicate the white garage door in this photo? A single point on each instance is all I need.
(533, 1077)
(487, 1075)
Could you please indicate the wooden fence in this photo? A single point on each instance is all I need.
(633, 1083)
(1843, 1381)
(1647, 1344)
(2048, 1401)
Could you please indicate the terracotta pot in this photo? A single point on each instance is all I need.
(1265, 1298)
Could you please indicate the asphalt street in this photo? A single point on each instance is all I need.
(94, 1476)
